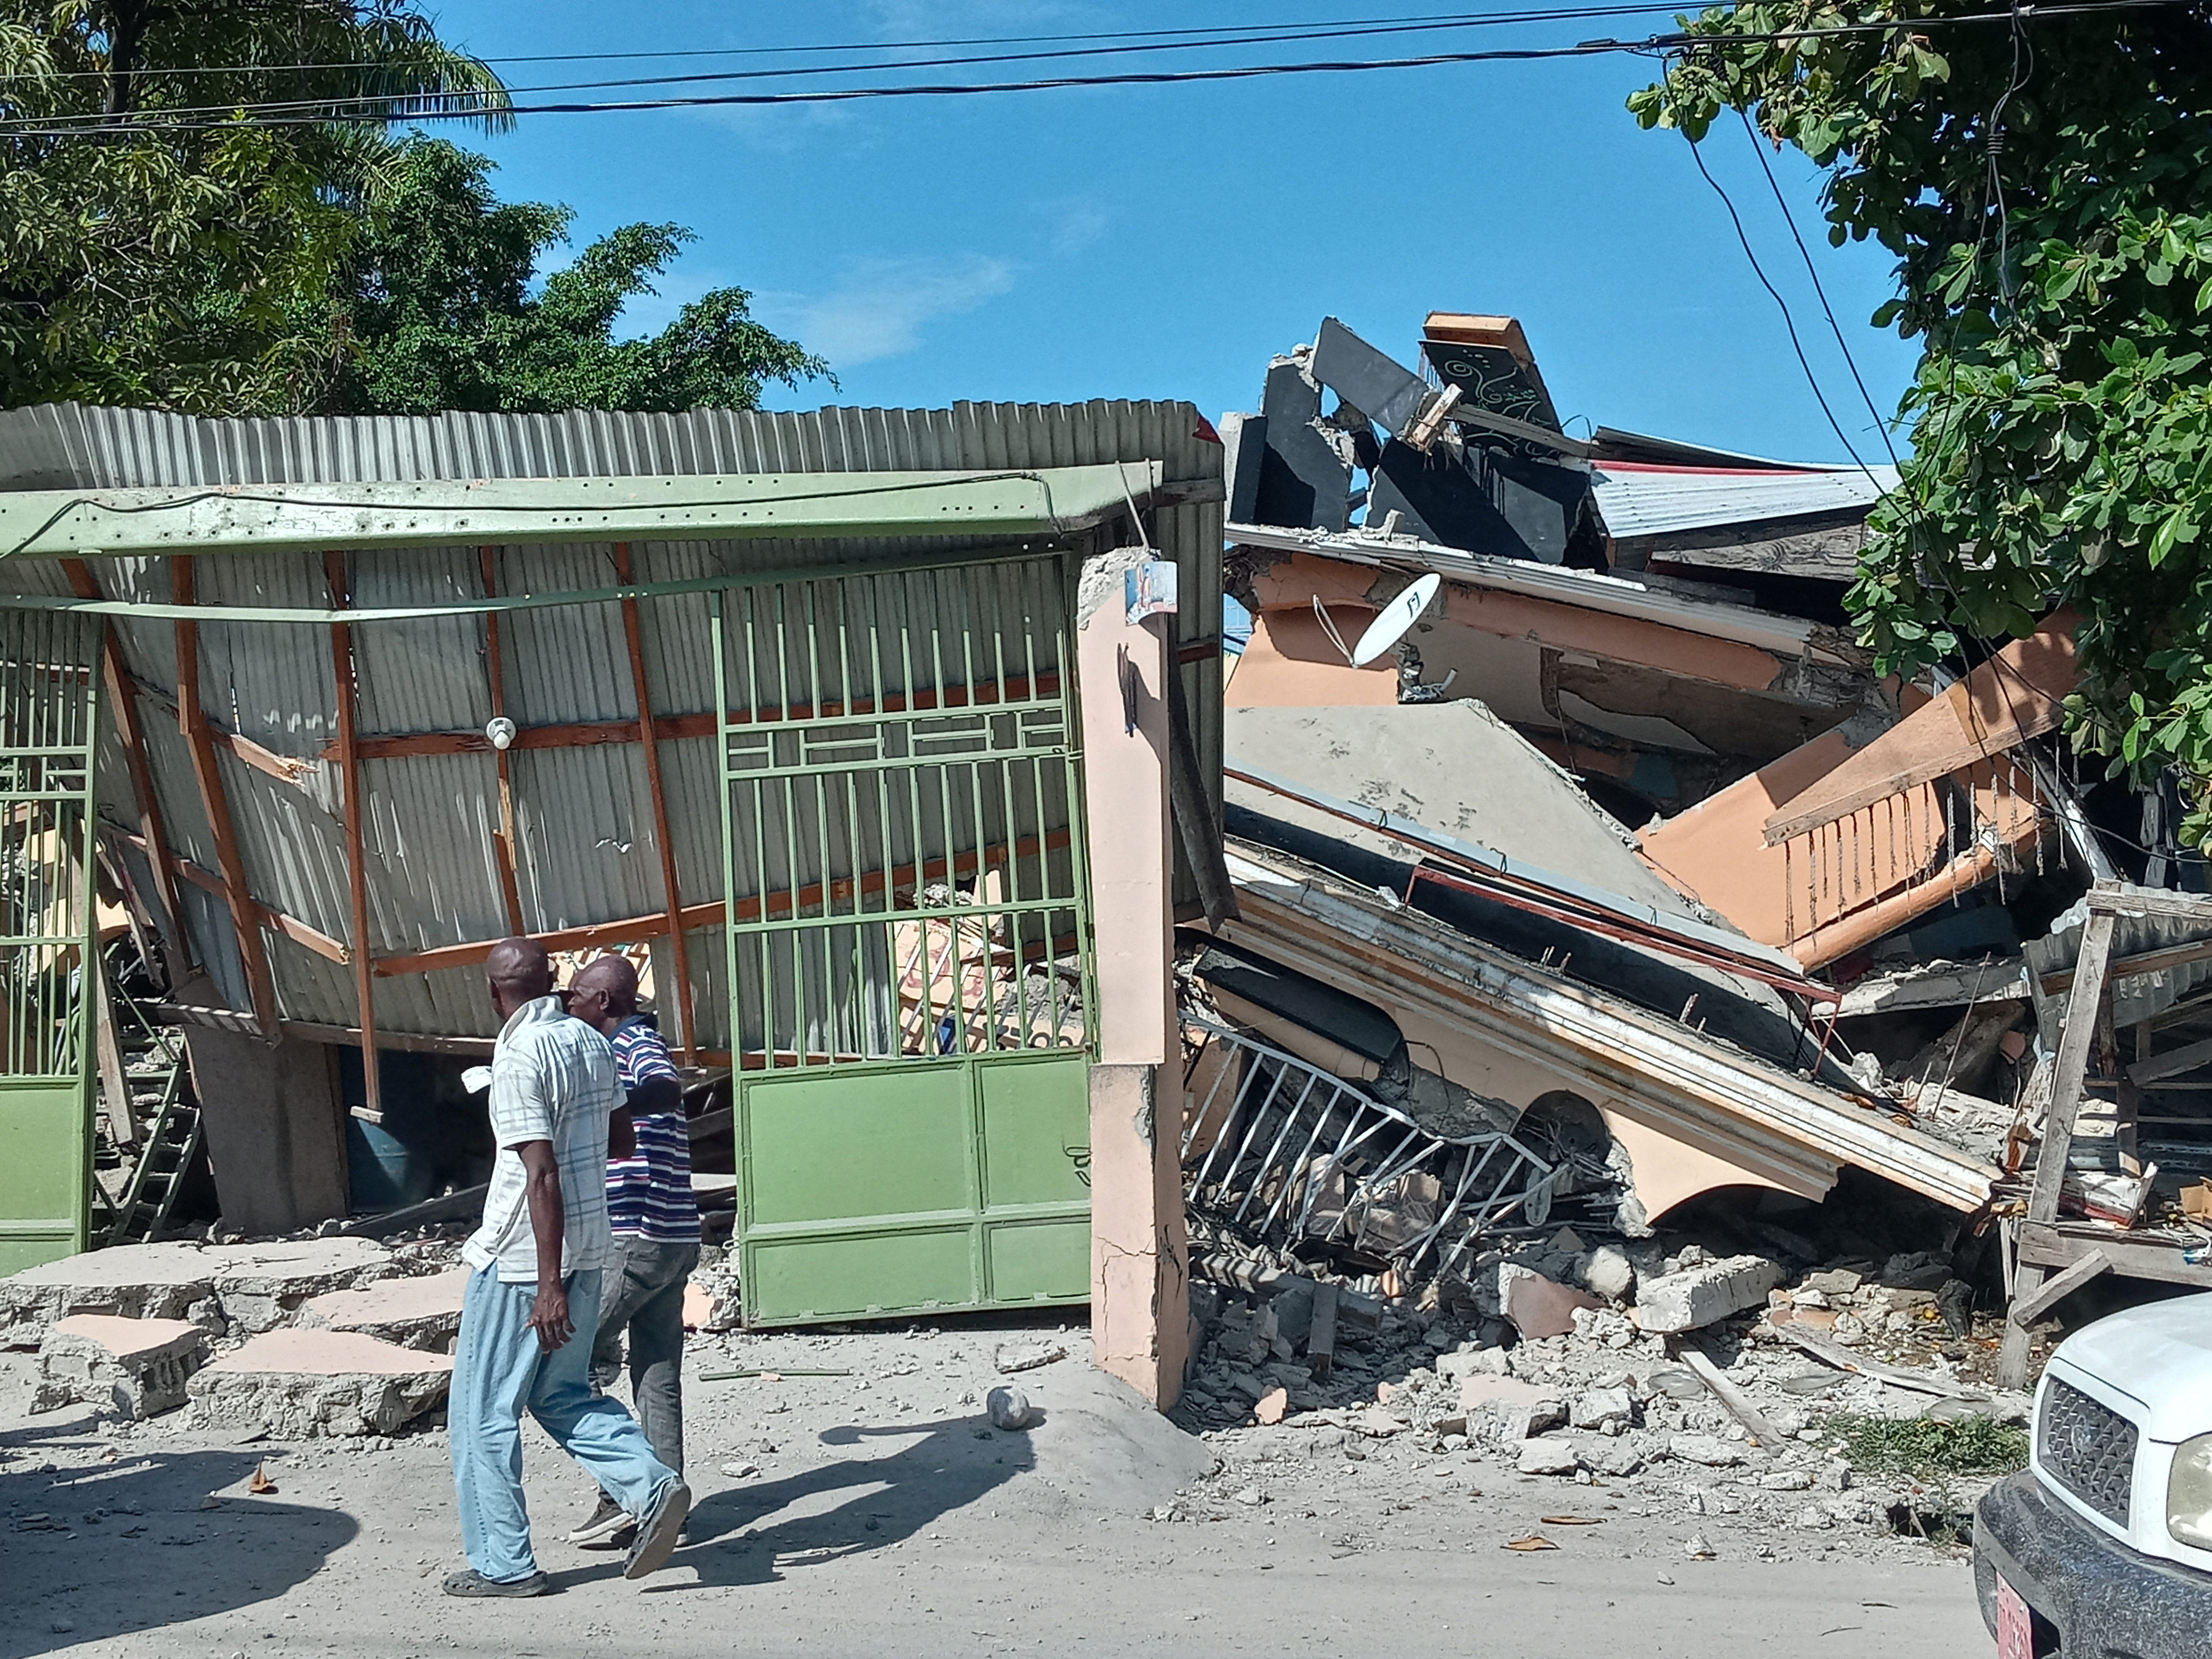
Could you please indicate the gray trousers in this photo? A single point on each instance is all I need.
(643, 1297)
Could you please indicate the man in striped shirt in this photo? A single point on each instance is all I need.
(656, 1227)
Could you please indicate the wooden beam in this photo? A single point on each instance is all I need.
(2154, 1256)
(344, 673)
(2121, 898)
(2027, 1310)
(291, 926)
(2146, 961)
(671, 896)
(503, 837)
(121, 698)
(584, 734)
(207, 772)
(285, 768)
(630, 929)
(2068, 1072)
(122, 1110)
(2161, 1066)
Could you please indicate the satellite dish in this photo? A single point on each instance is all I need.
(1396, 621)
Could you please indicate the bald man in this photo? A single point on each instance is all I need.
(656, 1227)
(532, 1303)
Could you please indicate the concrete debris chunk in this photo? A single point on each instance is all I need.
(1609, 1272)
(1834, 1281)
(1546, 1456)
(1602, 1409)
(302, 1383)
(1534, 1405)
(414, 1313)
(1540, 1307)
(1028, 1356)
(1709, 1450)
(1701, 1296)
(138, 1366)
(1009, 1408)
(261, 1285)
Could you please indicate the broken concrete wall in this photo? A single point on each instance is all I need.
(275, 1121)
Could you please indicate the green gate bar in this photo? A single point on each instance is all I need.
(49, 700)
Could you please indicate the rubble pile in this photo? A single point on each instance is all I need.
(1658, 1371)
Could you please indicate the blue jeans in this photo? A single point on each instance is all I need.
(499, 1371)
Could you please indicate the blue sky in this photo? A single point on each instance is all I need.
(1165, 241)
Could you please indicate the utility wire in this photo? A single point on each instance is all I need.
(1880, 422)
(469, 106)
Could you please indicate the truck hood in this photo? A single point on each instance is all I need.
(2160, 1355)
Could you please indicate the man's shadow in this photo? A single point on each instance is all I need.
(105, 1551)
(888, 1500)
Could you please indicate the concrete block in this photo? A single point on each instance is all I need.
(299, 1384)
(1538, 1306)
(139, 1366)
(1700, 1295)
(131, 1281)
(1471, 1362)
(1601, 1406)
(260, 1286)
(1549, 1457)
(414, 1313)
(1709, 1450)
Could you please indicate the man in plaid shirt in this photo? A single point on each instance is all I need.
(655, 1221)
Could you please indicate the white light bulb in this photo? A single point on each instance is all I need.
(500, 732)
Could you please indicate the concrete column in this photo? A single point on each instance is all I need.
(276, 1128)
(1139, 1246)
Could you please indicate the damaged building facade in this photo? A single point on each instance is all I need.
(1601, 874)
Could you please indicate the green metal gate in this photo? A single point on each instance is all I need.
(908, 964)
(48, 702)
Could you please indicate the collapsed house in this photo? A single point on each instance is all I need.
(1620, 829)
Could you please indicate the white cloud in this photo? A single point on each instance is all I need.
(878, 309)
(1075, 223)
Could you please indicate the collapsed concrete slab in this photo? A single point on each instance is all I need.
(254, 1286)
(301, 1384)
(131, 1281)
(422, 1313)
(259, 1286)
(139, 1367)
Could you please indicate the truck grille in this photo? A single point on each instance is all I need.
(2089, 1449)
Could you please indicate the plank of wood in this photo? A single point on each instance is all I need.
(1321, 1336)
(122, 1111)
(215, 799)
(503, 838)
(2133, 1255)
(451, 1206)
(1763, 1432)
(2123, 898)
(2172, 1063)
(1843, 1359)
(2027, 1310)
(2145, 962)
(2069, 1068)
(345, 670)
(676, 997)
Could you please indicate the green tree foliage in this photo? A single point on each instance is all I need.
(153, 251)
(440, 313)
(2046, 187)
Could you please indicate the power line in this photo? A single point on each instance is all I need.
(465, 105)
(1882, 425)
(1788, 322)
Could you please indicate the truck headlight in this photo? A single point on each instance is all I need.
(2189, 1494)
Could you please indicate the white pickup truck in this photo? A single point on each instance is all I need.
(2102, 1548)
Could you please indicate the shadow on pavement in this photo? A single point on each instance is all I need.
(90, 1554)
(887, 1499)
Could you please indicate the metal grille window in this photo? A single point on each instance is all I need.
(2089, 1449)
(905, 875)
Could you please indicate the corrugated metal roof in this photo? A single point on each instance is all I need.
(1637, 499)
(585, 852)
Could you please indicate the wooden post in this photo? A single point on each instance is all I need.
(2129, 1103)
(2068, 1075)
(114, 1080)
(191, 720)
(634, 633)
(344, 673)
(122, 698)
(503, 838)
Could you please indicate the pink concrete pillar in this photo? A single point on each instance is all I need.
(1139, 1247)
